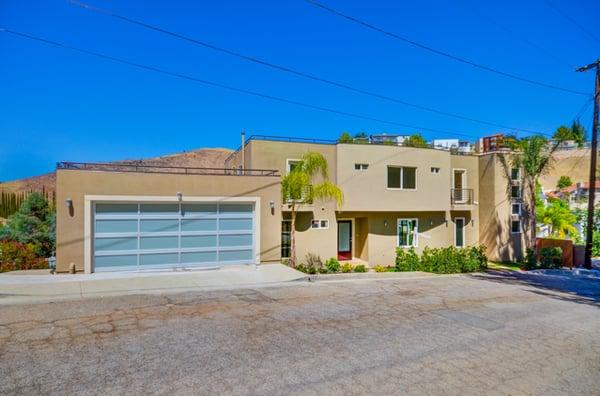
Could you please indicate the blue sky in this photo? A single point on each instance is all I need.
(61, 105)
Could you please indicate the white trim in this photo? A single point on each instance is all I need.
(351, 219)
(401, 178)
(518, 174)
(416, 232)
(520, 227)
(90, 200)
(288, 161)
(520, 208)
(464, 234)
(464, 177)
(319, 227)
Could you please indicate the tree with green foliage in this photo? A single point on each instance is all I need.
(575, 132)
(559, 218)
(345, 137)
(33, 223)
(309, 180)
(563, 181)
(415, 140)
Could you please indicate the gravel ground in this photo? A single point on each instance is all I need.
(500, 333)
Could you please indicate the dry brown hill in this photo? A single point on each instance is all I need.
(201, 158)
(572, 163)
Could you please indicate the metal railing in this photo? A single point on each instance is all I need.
(461, 196)
(181, 170)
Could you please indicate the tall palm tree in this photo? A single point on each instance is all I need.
(306, 182)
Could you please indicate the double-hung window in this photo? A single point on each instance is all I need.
(402, 177)
(408, 232)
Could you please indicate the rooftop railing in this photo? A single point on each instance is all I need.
(180, 170)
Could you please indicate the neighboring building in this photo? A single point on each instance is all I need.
(384, 138)
(577, 193)
(113, 217)
(460, 146)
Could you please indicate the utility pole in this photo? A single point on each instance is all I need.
(592, 185)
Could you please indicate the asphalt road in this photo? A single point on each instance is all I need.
(481, 334)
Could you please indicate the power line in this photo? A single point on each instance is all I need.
(572, 20)
(442, 53)
(294, 71)
(227, 87)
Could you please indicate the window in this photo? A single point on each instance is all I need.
(291, 164)
(286, 238)
(459, 232)
(515, 174)
(435, 169)
(319, 224)
(402, 178)
(408, 232)
(361, 167)
(516, 209)
(515, 191)
(515, 226)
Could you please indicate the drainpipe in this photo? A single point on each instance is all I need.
(243, 151)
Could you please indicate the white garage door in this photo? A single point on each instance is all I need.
(130, 236)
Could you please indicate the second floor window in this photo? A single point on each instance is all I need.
(515, 173)
(515, 191)
(361, 167)
(402, 177)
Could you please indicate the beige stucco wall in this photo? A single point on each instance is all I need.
(367, 190)
(494, 210)
(75, 184)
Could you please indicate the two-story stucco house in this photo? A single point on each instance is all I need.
(126, 217)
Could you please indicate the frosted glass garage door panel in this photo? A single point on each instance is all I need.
(235, 240)
(159, 209)
(112, 226)
(198, 210)
(235, 255)
(161, 242)
(198, 257)
(235, 224)
(167, 225)
(236, 209)
(114, 262)
(191, 225)
(117, 209)
(158, 259)
(198, 241)
(107, 244)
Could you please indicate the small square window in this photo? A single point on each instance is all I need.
(361, 167)
(435, 169)
(324, 223)
(515, 173)
(319, 224)
(515, 191)
(315, 224)
(515, 226)
(516, 209)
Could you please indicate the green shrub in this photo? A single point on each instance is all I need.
(322, 270)
(346, 267)
(448, 260)
(530, 260)
(15, 256)
(313, 263)
(379, 268)
(551, 257)
(302, 268)
(406, 260)
(332, 265)
(360, 268)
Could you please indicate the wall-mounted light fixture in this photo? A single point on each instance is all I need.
(385, 222)
(272, 205)
(68, 203)
(430, 222)
(179, 196)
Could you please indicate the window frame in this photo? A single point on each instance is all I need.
(520, 195)
(512, 205)
(361, 167)
(437, 170)
(289, 162)
(520, 231)
(464, 234)
(290, 234)
(319, 224)
(401, 167)
(415, 232)
(518, 174)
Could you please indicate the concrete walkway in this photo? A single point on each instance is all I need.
(22, 287)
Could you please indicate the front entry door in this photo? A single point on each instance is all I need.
(344, 240)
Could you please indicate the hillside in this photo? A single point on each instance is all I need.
(572, 163)
(202, 158)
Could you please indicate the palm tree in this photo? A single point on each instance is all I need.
(299, 187)
(533, 156)
(559, 218)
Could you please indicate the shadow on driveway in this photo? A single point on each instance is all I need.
(576, 289)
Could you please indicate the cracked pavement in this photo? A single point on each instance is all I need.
(473, 334)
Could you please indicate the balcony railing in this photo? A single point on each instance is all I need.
(181, 170)
(461, 196)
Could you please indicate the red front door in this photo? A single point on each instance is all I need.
(344, 228)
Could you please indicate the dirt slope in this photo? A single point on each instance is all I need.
(201, 158)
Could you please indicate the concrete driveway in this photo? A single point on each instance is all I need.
(474, 334)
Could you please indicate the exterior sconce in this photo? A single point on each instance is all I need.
(385, 223)
(68, 203)
(272, 205)
(179, 196)
(430, 222)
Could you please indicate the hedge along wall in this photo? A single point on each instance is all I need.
(565, 244)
